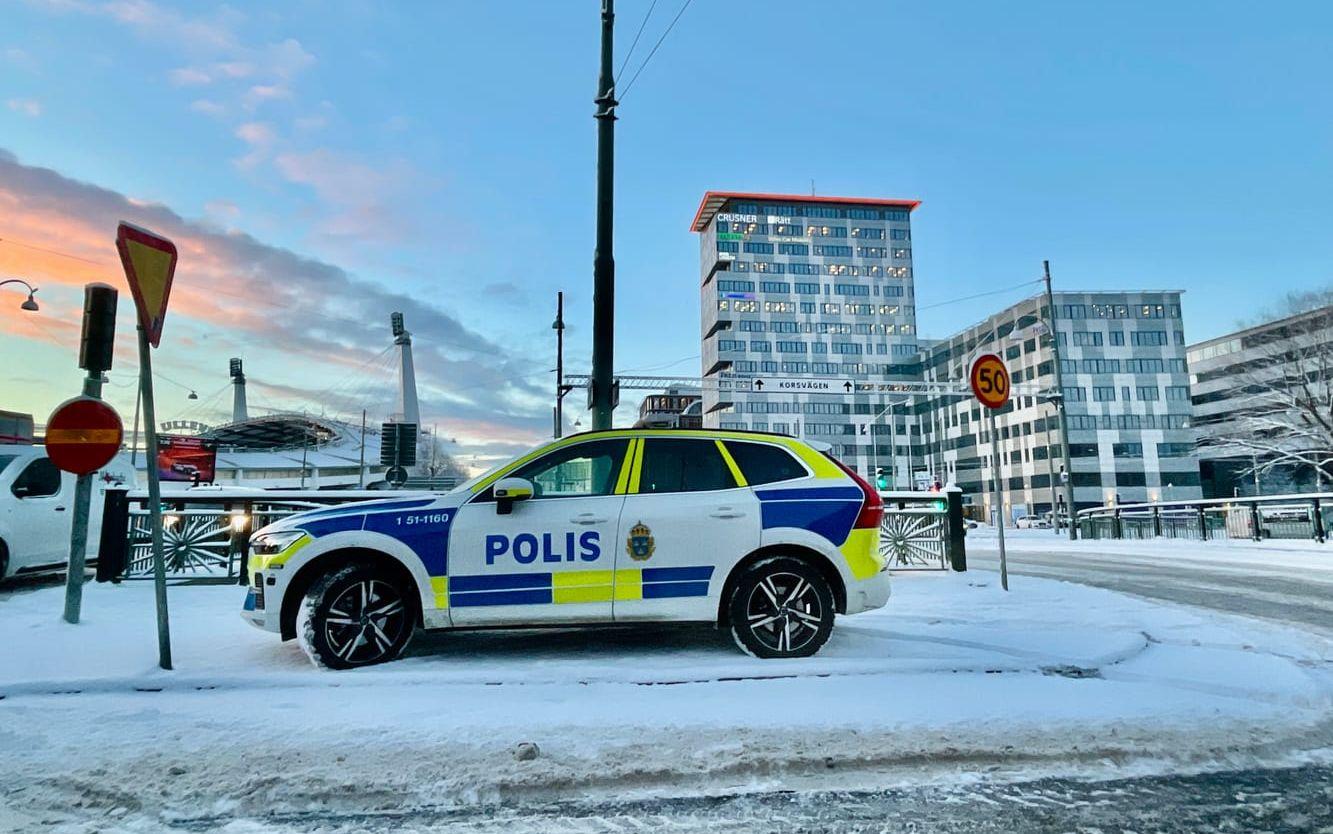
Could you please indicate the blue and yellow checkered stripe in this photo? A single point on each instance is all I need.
(571, 586)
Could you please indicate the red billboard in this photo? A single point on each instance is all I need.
(182, 458)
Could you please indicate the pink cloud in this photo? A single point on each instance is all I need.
(30, 107)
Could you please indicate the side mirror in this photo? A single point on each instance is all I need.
(21, 491)
(509, 490)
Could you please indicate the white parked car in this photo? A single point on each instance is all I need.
(36, 508)
(765, 535)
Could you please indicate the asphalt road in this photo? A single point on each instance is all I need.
(1288, 800)
(1248, 585)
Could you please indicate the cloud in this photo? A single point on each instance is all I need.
(189, 76)
(208, 107)
(307, 322)
(259, 137)
(30, 107)
(364, 201)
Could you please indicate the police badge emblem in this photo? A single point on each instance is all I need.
(640, 544)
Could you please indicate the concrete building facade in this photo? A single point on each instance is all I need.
(1127, 396)
(806, 289)
(1240, 376)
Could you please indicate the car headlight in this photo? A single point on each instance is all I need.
(268, 544)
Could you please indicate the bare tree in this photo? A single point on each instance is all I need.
(434, 459)
(1284, 406)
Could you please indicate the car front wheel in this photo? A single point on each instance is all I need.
(355, 616)
(781, 607)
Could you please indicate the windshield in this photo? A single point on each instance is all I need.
(6, 460)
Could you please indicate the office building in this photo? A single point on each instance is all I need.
(1247, 386)
(1126, 390)
(674, 408)
(805, 293)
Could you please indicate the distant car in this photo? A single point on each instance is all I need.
(36, 508)
(185, 469)
(763, 534)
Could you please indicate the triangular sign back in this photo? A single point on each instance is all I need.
(150, 263)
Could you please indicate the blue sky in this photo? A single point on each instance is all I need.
(440, 156)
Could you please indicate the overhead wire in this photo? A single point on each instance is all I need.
(979, 295)
(635, 43)
(653, 52)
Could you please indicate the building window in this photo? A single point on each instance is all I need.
(1145, 366)
(1101, 366)
(774, 286)
(787, 230)
(791, 347)
(826, 231)
(1117, 338)
(1127, 450)
(851, 289)
(1175, 450)
(769, 267)
(847, 348)
(902, 253)
(1084, 338)
(779, 307)
(755, 247)
(1176, 366)
(1074, 311)
(803, 269)
(793, 249)
(768, 366)
(868, 234)
(1148, 338)
(872, 252)
(745, 306)
(1110, 311)
(730, 344)
(1177, 393)
(1076, 395)
(1103, 393)
(732, 285)
(751, 326)
(832, 250)
(899, 234)
(1149, 393)
(1151, 311)
(806, 288)
(729, 246)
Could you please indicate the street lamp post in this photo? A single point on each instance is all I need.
(1060, 406)
(604, 265)
(893, 444)
(31, 304)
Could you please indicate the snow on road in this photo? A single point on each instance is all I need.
(954, 678)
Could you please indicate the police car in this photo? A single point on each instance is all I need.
(766, 535)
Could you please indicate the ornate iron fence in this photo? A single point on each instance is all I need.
(914, 533)
(1266, 517)
(206, 534)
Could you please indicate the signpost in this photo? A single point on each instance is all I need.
(803, 385)
(150, 264)
(990, 385)
(84, 434)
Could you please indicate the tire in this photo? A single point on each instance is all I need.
(781, 607)
(356, 616)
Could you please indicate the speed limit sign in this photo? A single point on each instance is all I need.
(990, 381)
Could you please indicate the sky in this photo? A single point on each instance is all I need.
(321, 165)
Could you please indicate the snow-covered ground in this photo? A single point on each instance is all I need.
(955, 678)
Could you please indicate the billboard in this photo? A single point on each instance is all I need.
(182, 458)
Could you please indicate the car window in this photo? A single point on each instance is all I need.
(579, 470)
(6, 460)
(40, 478)
(683, 466)
(764, 464)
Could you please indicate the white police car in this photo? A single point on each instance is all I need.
(763, 534)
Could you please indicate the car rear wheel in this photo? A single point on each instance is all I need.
(355, 616)
(781, 607)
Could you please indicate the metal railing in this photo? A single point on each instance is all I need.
(915, 531)
(1301, 516)
(206, 534)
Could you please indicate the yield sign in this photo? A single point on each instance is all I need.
(150, 263)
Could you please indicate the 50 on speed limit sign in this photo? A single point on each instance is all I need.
(990, 381)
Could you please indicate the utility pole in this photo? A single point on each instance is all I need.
(561, 389)
(361, 463)
(603, 264)
(1060, 407)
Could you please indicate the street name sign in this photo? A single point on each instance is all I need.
(83, 435)
(990, 381)
(150, 263)
(805, 385)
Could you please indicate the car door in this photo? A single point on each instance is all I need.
(39, 523)
(687, 519)
(550, 559)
